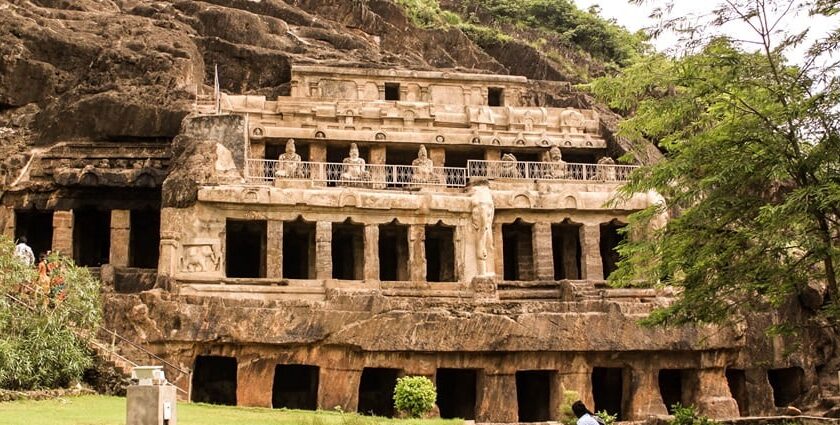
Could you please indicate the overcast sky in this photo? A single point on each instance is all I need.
(636, 17)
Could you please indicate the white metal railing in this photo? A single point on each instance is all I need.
(378, 176)
(529, 170)
(382, 176)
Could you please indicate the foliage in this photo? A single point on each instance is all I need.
(414, 395)
(567, 416)
(103, 410)
(42, 341)
(751, 180)
(685, 415)
(606, 417)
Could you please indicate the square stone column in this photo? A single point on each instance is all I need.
(7, 222)
(254, 379)
(590, 244)
(417, 252)
(499, 253)
(377, 154)
(63, 232)
(438, 156)
(274, 249)
(371, 252)
(493, 154)
(543, 253)
(120, 235)
(645, 397)
(338, 387)
(318, 153)
(710, 393)
(496, 399)
(323, 250)
(578, 377)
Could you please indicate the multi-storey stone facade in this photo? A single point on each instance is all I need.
(308, 250)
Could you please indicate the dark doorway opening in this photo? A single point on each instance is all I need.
(495, 96)
(787, 385)
(245, 243)
(608, 389)
(610, 238)
(37, 227)
(393, 252)
(565, 245)
(737, 380)
(456, 394)
(298, 249)
(91, 237)
(392, 91)
(517, 250)
(670, 387)
(144, 239)
(376, 391)
(214, 380)
(295, 387)
(533, 394)
(440, 253)
(348, 255)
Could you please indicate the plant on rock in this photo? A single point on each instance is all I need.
(414, 396)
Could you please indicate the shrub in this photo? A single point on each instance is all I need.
(43, 334)
(414, 395)
(685, 415)
(566, 415)
(606, 417)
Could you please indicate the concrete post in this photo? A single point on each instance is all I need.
(323, 250)
(496, 399)
(417, 252)
(151, 405)
(338, 387)
(63, 232)
(120, 235)
(543, 253)
(590, 239)
(274, 249)
(371, 252)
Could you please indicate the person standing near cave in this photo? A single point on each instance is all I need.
(24, 253)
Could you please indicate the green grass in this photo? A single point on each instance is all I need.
(102, 410)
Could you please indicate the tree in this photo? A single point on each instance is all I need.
(751, 179)
(414, 396)
(44, 326)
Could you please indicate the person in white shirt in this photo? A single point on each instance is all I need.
(585, 417)
(24, 253)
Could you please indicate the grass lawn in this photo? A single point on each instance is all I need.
(102, 410)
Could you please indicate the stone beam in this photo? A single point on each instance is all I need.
(63, 232)
(120, 235)
(323, 250)
(590, 244)
(274, 249)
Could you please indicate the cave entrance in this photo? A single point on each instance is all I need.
(737, 381)
(295, 387)
(245, 248)
(456, 393)
(610, 238)
(393, 252)
(144, 239)
(348, 256)
(37, 227)
(787, 385)
(376, 391)
(517, 250)
(440, 253)
(533, 394)
(91, 237)
(298, 249)
(214, 380)
(671, 388)
(565, 245)
(608, 389)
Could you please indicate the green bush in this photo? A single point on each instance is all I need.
(686, 415)
(43, 333)
(414, 395)
(606, 417)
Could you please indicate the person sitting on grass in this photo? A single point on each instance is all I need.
(585, 417)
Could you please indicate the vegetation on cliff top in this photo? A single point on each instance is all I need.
(751, 179)
(44, 320)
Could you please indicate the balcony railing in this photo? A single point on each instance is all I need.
(384, 176)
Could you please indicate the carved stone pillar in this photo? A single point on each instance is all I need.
(254, 379)
(496, 399)
(257, 150)
(543, 254)
(438, 156)
(7, 222)
(499, 256)
(120, 234)
(417, 252)
(710, 393)
(493, 154)
(318, 154)
(645, 398)
(377, 154)
(274, 249)
(338, 387)
(323, 250)
(371, 252)
(63, 232)
(590, 244)
(578, 378)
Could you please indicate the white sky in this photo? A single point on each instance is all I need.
(637, 17)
